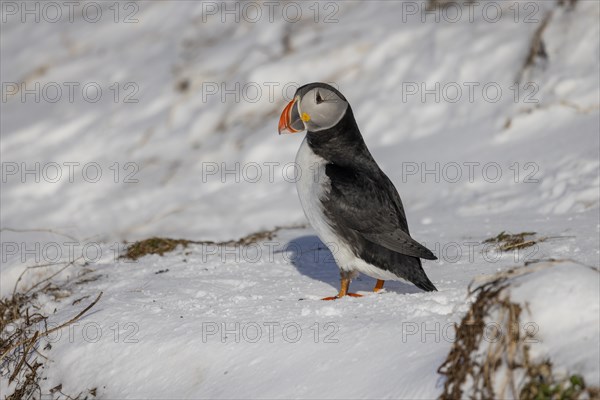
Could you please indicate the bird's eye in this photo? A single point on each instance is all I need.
(319, 98)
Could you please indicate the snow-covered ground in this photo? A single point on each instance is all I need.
(184, 136)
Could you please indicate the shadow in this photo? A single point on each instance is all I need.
(313, 259)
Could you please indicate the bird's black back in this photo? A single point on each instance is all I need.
(362, 201)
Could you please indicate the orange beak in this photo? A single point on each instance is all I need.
(285, 121)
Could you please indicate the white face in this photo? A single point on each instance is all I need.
(321, 109)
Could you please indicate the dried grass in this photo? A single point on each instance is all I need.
(160, 246)
(502, 369)
(22, 325)
(508, 241)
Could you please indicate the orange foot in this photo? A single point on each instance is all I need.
(339, 297)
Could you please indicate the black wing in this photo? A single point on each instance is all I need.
(368, 204)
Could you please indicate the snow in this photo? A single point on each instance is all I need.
(578, 284)
(166, 165)
(556, 300)
(176, 312)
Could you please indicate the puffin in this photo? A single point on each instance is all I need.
(349, 201)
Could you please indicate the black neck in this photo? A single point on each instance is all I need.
(342, 144)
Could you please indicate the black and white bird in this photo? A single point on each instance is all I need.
(352, 205)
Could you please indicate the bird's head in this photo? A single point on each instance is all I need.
(315, 107)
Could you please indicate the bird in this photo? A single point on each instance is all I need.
(349, 201)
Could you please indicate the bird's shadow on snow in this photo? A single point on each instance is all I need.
(313, 259)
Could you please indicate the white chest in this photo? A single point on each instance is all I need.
(313, 185)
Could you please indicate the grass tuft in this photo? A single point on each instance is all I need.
(153, 245)
(503, 367)
(509, 241)
(21, 327)
(542, 385)
(160, 246)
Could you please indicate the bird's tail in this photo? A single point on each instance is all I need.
(426, 284)
(420, 279)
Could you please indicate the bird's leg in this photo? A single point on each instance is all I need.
(378, 285)
(344, 285)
